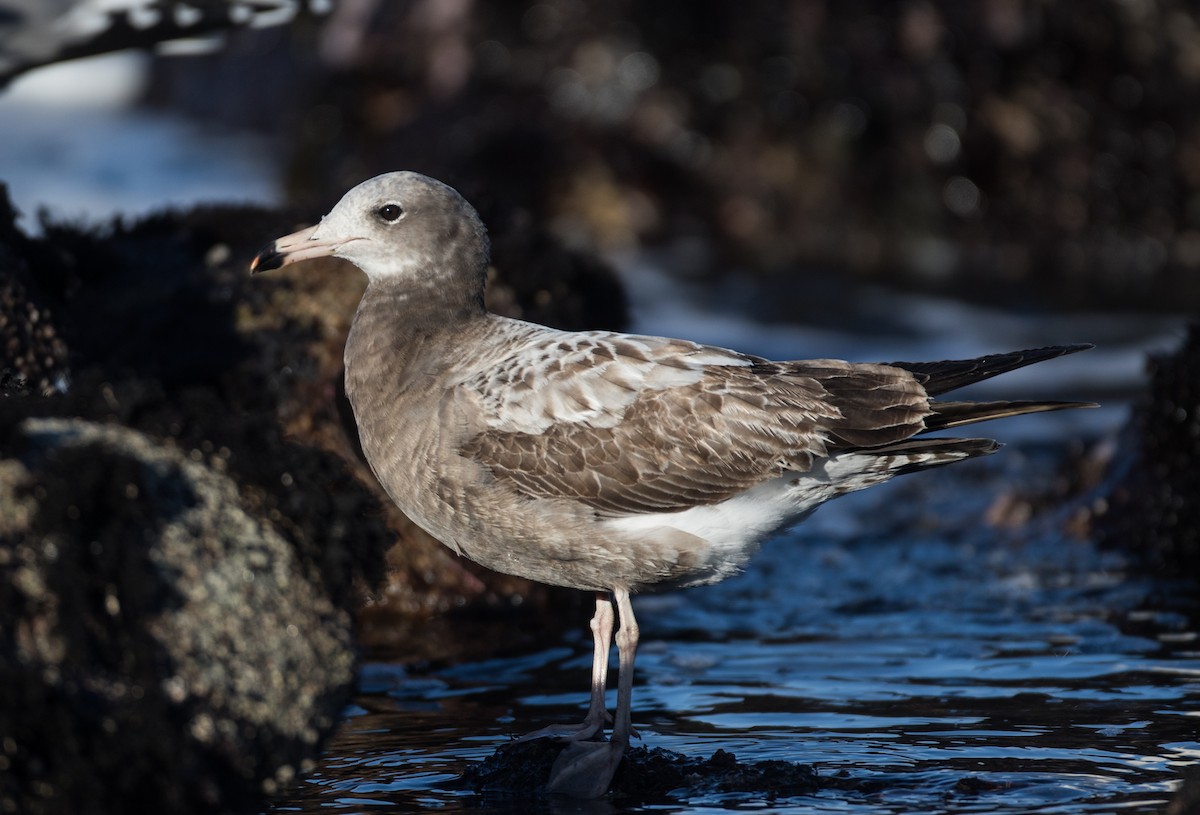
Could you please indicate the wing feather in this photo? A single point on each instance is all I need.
(629, 424)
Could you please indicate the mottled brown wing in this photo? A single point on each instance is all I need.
(703, 441)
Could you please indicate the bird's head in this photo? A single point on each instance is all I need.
(400, 227)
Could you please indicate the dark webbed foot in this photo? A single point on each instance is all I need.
(583, 731)
(586, 768)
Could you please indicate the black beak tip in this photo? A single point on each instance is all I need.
(267, 259)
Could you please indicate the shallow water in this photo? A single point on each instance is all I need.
(894, 638)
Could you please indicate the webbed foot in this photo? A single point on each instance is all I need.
(585, 768)
(568, 732)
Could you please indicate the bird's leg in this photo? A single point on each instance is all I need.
(602, 632)
(586, 768)
(627, 643)
(593, 723)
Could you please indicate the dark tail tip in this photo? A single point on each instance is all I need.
(948, 375)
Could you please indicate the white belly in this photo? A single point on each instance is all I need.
(735, 528)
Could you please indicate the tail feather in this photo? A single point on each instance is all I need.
(956, 414)
(918, 452)
(942, 377)
(912, 455)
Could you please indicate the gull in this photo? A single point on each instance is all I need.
(607, 462)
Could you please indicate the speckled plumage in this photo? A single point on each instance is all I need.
(596, 460)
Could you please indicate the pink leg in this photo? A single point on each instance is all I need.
(627, 643)
(586, 768)
(602, 631)
(593, 723)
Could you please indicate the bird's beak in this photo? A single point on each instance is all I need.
(293, 248)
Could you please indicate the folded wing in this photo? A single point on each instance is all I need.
(631, 425)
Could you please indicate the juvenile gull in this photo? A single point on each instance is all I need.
(601, 461)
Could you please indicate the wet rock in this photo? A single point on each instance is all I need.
(1152, 507)
(975, 785)
(162, 648)
(520, 770)
(656, 773)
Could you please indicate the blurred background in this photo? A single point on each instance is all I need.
(861, 179)
(1030, 155)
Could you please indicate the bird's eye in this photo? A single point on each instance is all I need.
(390, 212)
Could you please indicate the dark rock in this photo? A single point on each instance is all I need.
(975, 785)
(162, 649)
(1152, 507)
(515, 770)
(32, 353)
(520, 770)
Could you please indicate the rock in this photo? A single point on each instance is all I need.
(1152, 506)
(162, 649)
(32, 354)
(520, 770)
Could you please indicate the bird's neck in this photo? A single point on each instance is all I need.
(395, 326)
(419, 306)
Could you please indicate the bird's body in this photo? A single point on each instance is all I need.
(596, 460)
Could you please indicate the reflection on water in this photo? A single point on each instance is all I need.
(894, 639)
